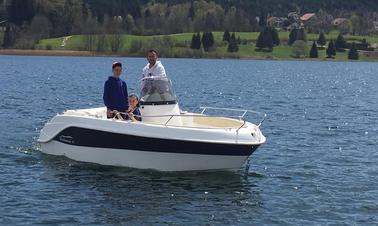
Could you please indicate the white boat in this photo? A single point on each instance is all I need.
(167, 139)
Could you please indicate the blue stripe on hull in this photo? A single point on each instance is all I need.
(102, 139)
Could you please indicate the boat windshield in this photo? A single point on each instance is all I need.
(157, 91)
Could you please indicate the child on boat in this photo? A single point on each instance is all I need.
(133, 112)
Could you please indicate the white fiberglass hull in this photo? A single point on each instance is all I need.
(188, 144)
(144, 159)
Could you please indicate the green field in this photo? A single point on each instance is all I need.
(177, 45)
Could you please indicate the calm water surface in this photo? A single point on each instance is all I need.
(318, 167)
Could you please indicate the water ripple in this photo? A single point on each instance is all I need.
(318, 166)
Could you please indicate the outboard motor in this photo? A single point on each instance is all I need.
(158, 101)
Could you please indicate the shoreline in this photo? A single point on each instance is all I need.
(73, 53)
(76, 53)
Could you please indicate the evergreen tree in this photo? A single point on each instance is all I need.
(331, 50)
(292, 36)
(226, 36)
(20, 11)
(233, 45)
(207, 40)
(8, 41)
(191, 13)
(211, 39)
(198, 41)
(268, 40)
(260, 41)
(193, 42)
(275, 37)
(314, 51)
(239, 41)
(340, 43)
(262, 20)
(321, 40)
(353, 52)
(301, 34)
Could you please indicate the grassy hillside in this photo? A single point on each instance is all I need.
(177, 45)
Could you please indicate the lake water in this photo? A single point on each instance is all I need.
(319, 165)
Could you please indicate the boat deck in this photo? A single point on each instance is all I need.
(185, 119)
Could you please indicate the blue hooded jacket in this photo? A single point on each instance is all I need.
(115, 94)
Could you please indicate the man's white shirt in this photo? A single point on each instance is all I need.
(156, 70)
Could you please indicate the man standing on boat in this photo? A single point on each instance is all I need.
(154, 67)
(115, 93)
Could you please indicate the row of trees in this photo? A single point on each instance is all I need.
(331, 51)
(207, 41)
(32, 20)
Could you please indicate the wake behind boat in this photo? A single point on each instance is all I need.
(167, 139)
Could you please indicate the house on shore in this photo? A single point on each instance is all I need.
(277, 22)
(338, 21)
(307, 18)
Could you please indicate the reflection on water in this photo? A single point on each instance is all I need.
(131, 195)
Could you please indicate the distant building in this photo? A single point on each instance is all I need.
(118, 18)
(277, 22)
(310, 21)
(338, 21)
(307, 17)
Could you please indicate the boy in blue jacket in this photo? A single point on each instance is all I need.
(115, 93)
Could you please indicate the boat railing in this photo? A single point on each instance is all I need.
(244, 113)
(169, 120)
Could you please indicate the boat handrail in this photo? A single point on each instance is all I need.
(241, 117)
(171, 116)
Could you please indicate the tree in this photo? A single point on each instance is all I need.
(265, 40)
(260, 41)
(321, 40)
(355, 22)
(226, 36)
(193, 42)
(314, 51)
(8, 40)
(198, 41)
(239, 41)
(340, 43)
(20, 11)
(297, 34)
(211, 39)
(207, 41)
(233, 45)
(301, 34)
(331, 50)
(292, 36)
(268, 40)
(275, 37)
(262, 20)
(299, 48)
(353, 52)
(191, 12)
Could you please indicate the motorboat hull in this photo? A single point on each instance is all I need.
(156, 160)
(95, 139)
